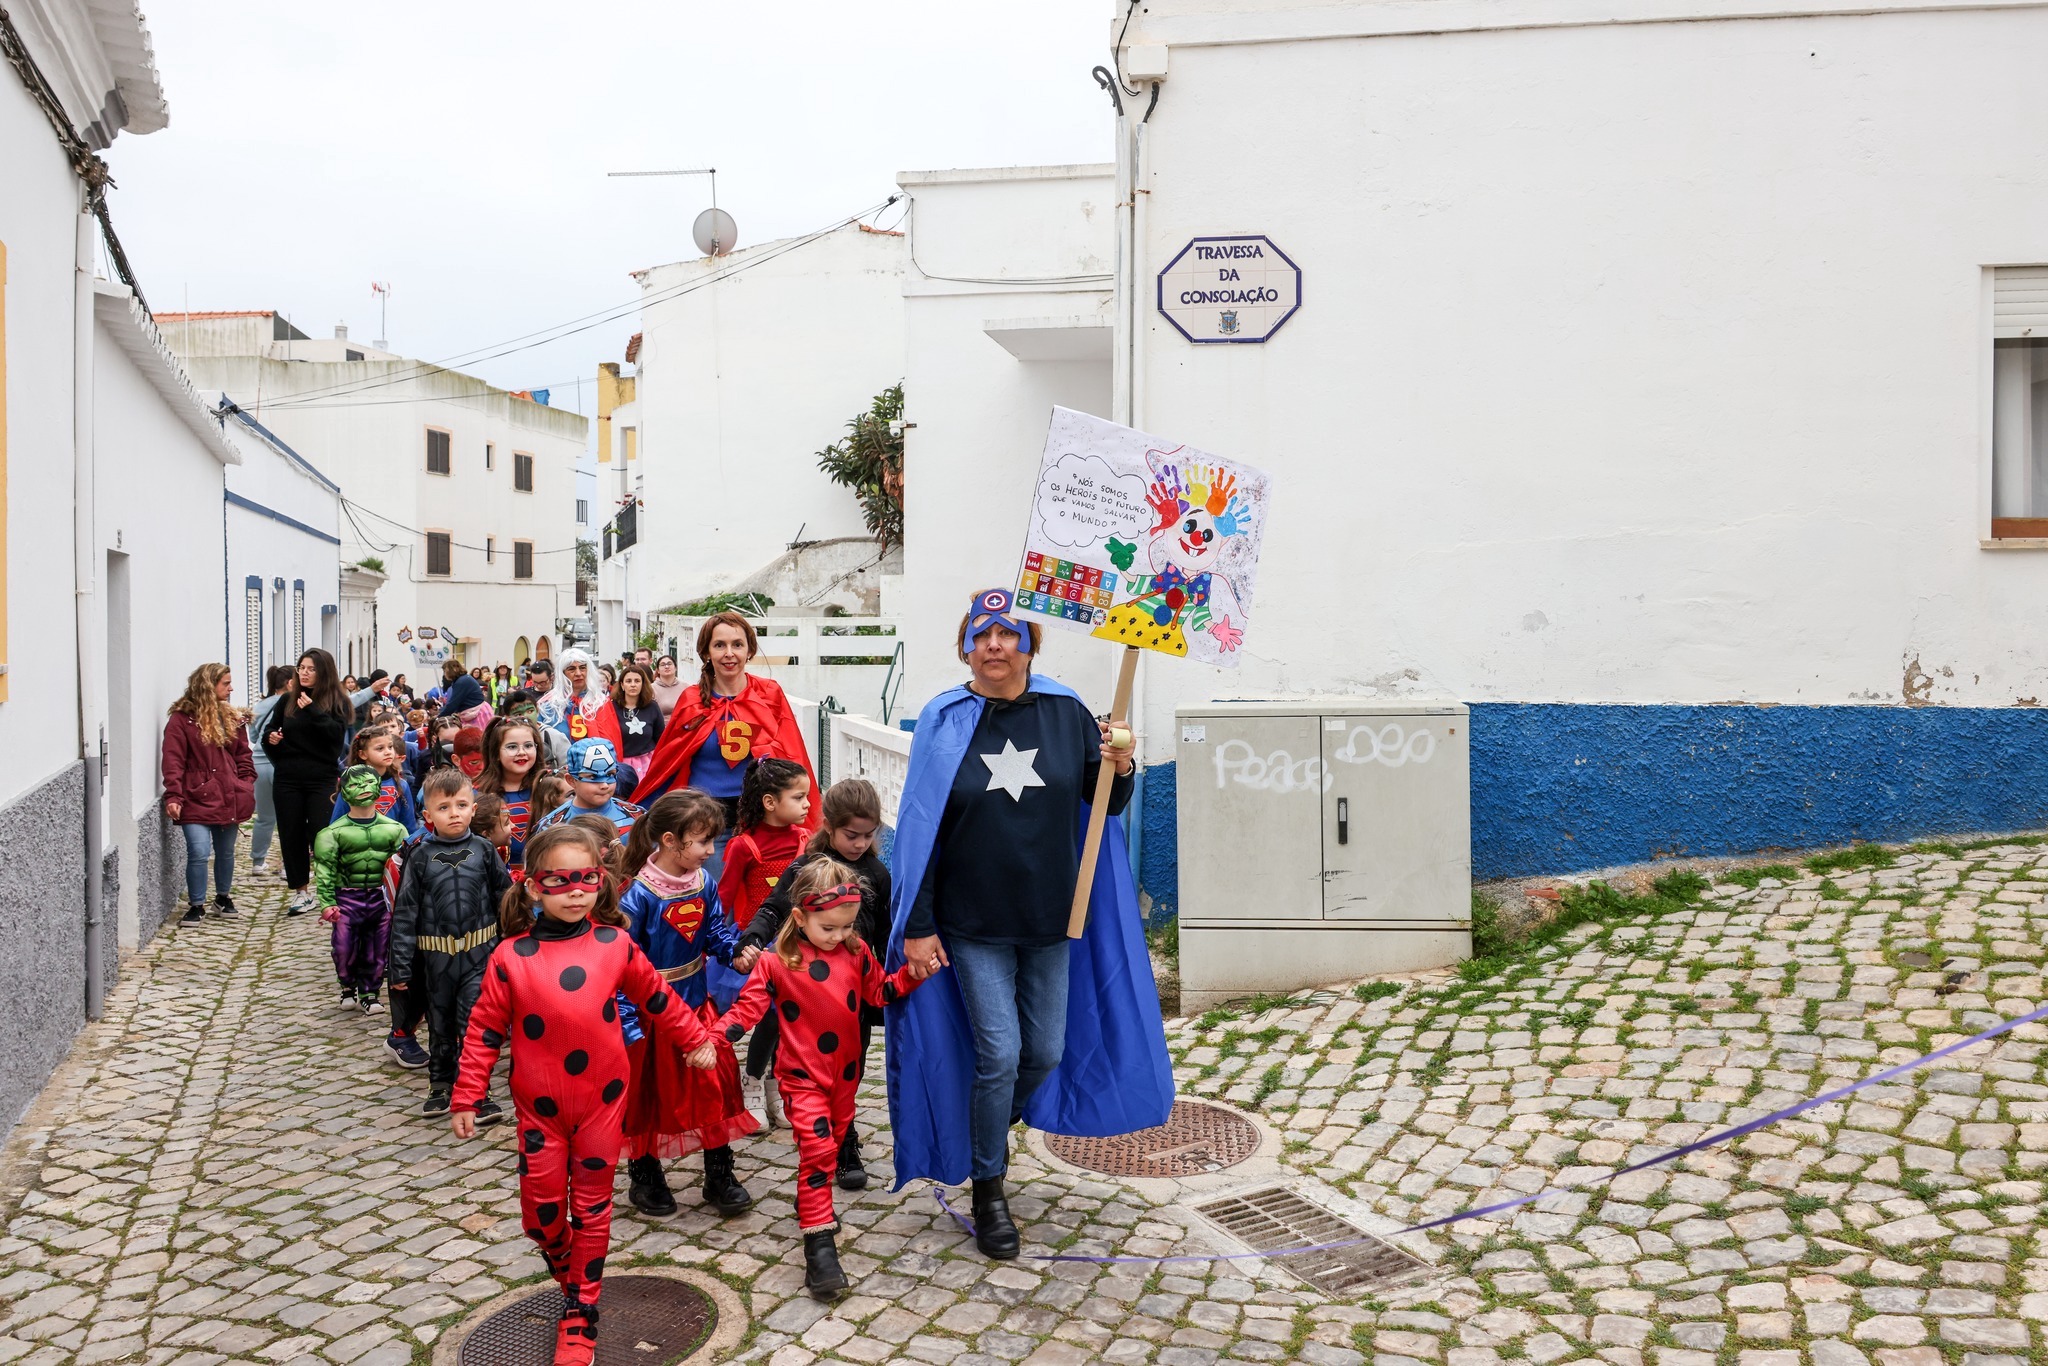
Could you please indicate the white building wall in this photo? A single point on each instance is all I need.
(159, 525)
(1729, 439)
(980, 410)
(741, 384)
(375, 448)
(38, 230)
(291, 534)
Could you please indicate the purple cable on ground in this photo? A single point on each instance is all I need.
(1747, 1127)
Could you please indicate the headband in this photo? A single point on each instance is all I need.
(994, 608)
(832, 896)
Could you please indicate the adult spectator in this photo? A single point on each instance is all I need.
(985, 863)
(644, 658)
(639, 717)
(362, 695)
(499, 685)
(274, 680)
(465, 698)
(209, 784)
(307, 737)
(668, 684)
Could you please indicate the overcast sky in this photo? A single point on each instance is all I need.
(459, 150)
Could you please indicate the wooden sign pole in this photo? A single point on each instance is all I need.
(1098, 807)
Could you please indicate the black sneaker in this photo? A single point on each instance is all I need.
(348, 998)
(436, 1104)
(406, 1050)
(223, 904)
(194, 913)
(488, 1112)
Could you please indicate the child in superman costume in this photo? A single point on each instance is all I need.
(1113, 1075)
(348, 874)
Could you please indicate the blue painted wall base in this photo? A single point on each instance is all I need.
(1561, 788)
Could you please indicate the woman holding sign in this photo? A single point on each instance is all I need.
(1028, 1024)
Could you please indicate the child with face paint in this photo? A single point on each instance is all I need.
(512, 752)
(348, 876)
(548, 992)
(381, 748)
(593, 773)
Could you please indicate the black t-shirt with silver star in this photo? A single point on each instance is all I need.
(1008, 852)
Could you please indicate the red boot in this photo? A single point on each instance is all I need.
(576, 1335)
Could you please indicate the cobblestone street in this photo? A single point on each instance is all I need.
(229, 1168)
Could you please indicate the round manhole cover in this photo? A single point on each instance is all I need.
(1195, 1139)
(645, 1320)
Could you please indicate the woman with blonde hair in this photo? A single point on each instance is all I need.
(209, 783)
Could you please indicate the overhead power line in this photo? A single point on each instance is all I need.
(574, 326)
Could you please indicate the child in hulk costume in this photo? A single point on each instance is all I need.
(348, 873)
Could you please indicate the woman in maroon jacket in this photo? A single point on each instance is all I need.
(209, 783)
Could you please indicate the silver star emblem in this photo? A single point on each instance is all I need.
(1012, 771)
(634, 725)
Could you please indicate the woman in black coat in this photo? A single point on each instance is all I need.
(307, 737)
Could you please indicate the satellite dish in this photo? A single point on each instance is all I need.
(715, 232)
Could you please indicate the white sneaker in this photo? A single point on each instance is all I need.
(751, 1096)
(771, 1097)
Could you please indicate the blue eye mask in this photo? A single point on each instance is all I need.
(991, 609)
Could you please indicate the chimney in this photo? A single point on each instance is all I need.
(341, 331)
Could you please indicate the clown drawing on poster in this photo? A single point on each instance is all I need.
(1146, 542)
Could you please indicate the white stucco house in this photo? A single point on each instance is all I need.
(463, 491)
(748, 365)
(111, 504)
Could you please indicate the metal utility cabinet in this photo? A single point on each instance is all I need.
(1321, 839)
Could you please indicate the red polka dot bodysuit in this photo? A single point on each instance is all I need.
(549, 993)
(818, 1063)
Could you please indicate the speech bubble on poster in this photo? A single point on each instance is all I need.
(1142, 541)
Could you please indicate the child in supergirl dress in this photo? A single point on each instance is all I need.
(770, 828)
(550, 991)
(673, 914)
(818, 977)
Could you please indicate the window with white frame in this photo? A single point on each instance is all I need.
(2019, 403)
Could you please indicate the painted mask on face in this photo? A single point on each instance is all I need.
(992, 609)
(360, 786)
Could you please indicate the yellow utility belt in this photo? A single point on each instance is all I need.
(442, 943)
(689, 969)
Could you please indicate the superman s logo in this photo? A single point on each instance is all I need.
(685, 915)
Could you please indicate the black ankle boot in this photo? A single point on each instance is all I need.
(650, 1193)
(995, 1233)
(853, 1176)
(721, 1191)
(822, 1276)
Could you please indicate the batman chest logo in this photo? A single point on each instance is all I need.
(684, 915)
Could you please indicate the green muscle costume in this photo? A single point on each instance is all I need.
(352, 853)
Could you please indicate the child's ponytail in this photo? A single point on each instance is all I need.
(682, 813)
(765, 778)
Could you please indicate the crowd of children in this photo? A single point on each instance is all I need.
(508, 906)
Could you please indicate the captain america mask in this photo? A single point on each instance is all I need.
(991, 609)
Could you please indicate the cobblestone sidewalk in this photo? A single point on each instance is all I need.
(229, 1170)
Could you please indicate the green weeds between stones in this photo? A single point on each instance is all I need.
(1594, 904)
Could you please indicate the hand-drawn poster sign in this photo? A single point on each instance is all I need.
(1142, 541)
(1229, 289)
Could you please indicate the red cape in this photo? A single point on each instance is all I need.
(760, 704)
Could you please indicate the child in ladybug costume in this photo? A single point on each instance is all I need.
(673, 914)
(550, 992)
(817, 979)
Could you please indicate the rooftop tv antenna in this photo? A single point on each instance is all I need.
(715, 231)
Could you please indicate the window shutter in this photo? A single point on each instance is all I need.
(2019, 302)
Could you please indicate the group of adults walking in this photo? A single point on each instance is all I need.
(1023, 1023)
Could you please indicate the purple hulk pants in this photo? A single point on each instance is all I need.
(362, 937)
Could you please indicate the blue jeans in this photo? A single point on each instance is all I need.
(1016, 1000)
(266, 816)
(219, 840)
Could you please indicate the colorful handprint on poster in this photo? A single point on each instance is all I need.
(1142, 541)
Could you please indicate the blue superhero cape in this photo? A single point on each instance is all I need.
(1114, 1076)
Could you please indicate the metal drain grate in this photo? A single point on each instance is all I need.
(645, 1320)
(1195, 1139)
(1277, 1219)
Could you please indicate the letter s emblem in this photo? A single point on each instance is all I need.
(735, 741)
